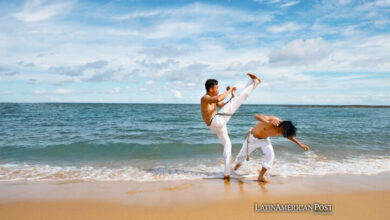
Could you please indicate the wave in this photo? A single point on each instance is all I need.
(307, 165)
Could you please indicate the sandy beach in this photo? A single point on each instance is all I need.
(350, 197)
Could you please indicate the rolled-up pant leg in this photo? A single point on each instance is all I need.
(269, 155)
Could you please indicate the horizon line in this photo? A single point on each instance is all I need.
(160, 103)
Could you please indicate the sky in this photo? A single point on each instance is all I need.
(306, 52)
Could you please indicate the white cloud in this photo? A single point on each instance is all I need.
(114, 90)
(176, 93)
(62, 91)
(383, 3)
(55, 92)
(289, 4)
(290, 26)
(5, 92)
(301, 51)
(38, 10)
(268, 1)
(149, 82)
(344, 2)
(39, 92)
(188, 21)
(180, 47)
(190, 10)
(189, 72)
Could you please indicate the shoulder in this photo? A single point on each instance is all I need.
(204, 98)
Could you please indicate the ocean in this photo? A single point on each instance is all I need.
(156, 142)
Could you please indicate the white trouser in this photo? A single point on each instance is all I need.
(251, 143)
(218, 124)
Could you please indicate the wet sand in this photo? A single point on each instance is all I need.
(350, 197)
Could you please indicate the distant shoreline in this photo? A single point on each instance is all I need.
(280, 105)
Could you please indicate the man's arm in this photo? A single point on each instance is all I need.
(303, 146)
(221, 104)
(268, 119)
(216, 99)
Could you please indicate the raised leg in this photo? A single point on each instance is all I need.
(232, 106)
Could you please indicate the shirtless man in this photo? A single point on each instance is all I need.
(258, 137)
(217, 121)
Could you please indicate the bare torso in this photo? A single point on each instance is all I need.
(208, 110)
(264, 130)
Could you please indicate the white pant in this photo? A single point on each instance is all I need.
(218, 125)
(251, 143)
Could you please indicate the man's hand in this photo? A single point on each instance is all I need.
(234, 91)
(275, 121)
(228, 88)
(305, 147)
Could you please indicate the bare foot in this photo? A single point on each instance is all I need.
(253, 76)
(226, 177)
(263, 179)
(237, 166)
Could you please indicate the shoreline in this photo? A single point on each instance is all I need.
(212, 189)
(357, 196)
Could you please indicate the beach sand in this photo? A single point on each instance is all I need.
(351, 197)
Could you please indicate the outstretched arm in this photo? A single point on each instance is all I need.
(303, 146)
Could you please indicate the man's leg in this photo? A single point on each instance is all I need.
(232, 106)
(268, 160)
(261, 177)
(223, 136)
(247, 148)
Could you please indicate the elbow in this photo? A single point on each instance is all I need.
(258, 116)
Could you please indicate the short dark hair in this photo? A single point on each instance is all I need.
(210, 83)
(288, 129)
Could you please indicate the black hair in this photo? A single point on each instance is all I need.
(210, 83)
(288, 129)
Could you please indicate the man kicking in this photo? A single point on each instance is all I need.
(217, 121)
(258, 137)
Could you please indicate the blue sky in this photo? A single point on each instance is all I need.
(306, 52)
